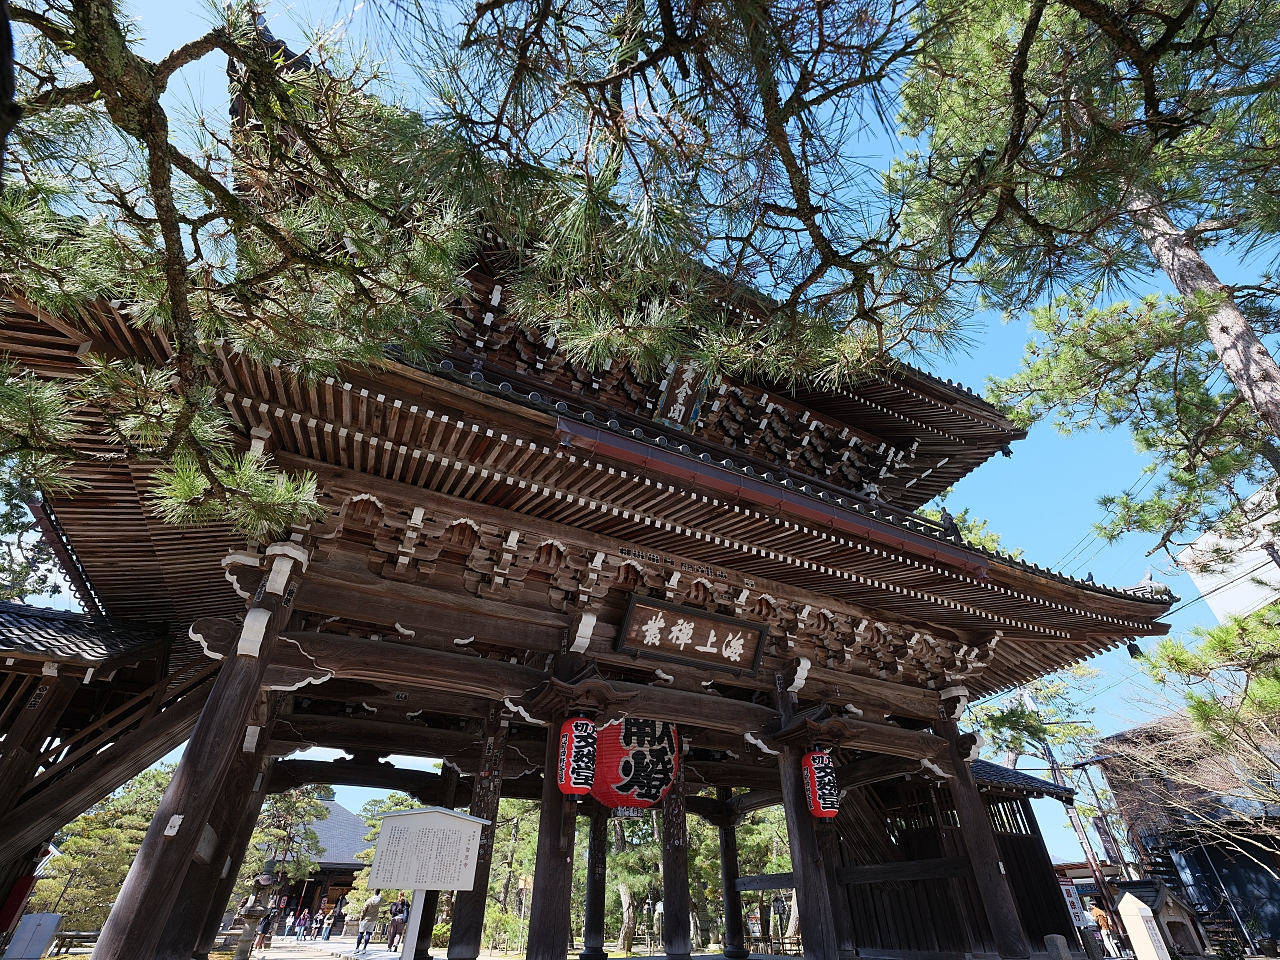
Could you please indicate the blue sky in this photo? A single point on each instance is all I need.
(1043, 499)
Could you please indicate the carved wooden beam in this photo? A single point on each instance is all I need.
(871, 737)
(385, 663)
(811, 682)
(885, 767)
(753, 800)
(353, 734)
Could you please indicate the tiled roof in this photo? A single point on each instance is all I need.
(342, 835)
(994, 775)
(34, 633)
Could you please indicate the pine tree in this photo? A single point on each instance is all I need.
(1070, 147)
(96, 850)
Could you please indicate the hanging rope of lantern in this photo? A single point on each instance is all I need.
(636, 762)
(577, 768)
(821, 791)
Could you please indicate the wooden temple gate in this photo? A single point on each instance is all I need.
(513, 540)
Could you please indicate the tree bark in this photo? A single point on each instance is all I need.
(10, 112)
(1245, 359)
(627, 929)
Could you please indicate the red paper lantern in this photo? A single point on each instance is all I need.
(577, 768)
(636, 762)
(820, 788)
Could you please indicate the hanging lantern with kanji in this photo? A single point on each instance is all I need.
(820, 788)
(577, 770)
(636, 762)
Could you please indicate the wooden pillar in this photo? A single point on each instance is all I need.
(213, 863)
(808, 863)
(676, 939)
(841, 916)
(468, 907)
(984, 854)
(550, 923)
(236, 850)
(431, 898)
(734, 942)
(597, 868)
(137, 919)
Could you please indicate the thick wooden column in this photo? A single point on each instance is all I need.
(431, 898)
(808, 866)
(676, 939)
(550, 923)
(137, 919)
(213, 861)
(236, 850)
(597, 868)
(841, 917)
(468, 906)
(984, 853)
(734, 941)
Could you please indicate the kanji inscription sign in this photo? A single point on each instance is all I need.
(681, 401)
(665, 631)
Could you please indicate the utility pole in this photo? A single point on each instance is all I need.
(1055, 770)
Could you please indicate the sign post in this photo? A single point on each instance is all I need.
(429, 849)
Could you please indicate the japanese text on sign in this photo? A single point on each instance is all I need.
(680, 634)
(426, 850)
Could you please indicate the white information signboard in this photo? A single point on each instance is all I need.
(430, 849)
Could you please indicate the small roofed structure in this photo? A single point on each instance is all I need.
(341, 838)
(85, 704)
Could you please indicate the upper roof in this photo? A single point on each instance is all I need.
(35, 633)
(621, 478)
(994, 775)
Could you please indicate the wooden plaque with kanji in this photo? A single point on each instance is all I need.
(664, 631)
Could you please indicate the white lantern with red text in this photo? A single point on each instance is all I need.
(820, 788)
(577, 769)
(636, 762)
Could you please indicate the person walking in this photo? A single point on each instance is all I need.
(328, 923)
(1104, 925)
(303, 920)
(399, 917)
(368, 920)
(288, 923)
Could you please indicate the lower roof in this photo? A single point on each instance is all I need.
(56, 636)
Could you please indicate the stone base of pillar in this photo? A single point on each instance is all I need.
(593, 955)
(739, 953)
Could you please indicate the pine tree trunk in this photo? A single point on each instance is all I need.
(628, 932)
(1245, 359)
